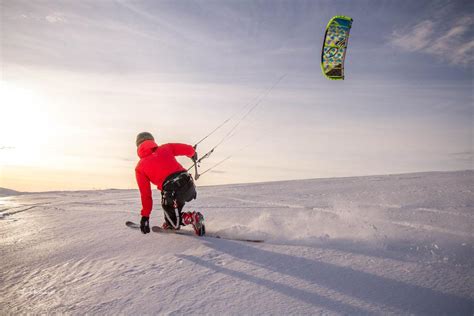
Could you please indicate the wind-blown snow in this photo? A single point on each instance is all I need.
(399, 244)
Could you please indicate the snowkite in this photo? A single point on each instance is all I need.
(335, 47)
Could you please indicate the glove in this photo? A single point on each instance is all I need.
(145, 224)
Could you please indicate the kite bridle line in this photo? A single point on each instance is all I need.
(230, 133)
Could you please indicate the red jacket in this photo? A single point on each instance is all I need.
(155, 165)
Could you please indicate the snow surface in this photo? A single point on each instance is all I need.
(398, 244)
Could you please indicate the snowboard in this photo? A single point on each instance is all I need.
(158, 229)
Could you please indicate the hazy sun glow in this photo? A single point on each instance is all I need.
(25, 126)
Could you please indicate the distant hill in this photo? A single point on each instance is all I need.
(7, 192)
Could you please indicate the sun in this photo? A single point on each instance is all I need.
(25, 125)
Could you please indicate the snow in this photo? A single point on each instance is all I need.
(397, 244)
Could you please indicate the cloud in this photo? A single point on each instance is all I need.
(450, 41)
(52, 18)
(56, 17)
(417, 39)
(464, 155)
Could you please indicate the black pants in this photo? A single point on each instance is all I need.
(178, 189)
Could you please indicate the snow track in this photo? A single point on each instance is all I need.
(401, 244)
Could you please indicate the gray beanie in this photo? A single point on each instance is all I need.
(143, 136)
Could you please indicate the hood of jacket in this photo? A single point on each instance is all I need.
(146, 148)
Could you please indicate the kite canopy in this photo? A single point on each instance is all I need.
(335, 46)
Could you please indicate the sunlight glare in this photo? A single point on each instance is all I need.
(25, 126)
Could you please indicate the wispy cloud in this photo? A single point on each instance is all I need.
(415, 40)
(466, 157)
(55, 17)
(52, 17)
(449, 41)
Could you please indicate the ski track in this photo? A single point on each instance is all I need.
(399, 244)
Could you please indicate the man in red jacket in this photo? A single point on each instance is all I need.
(158, 165)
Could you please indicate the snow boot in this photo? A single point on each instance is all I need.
(197, 220)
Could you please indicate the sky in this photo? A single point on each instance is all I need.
(79, 80)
